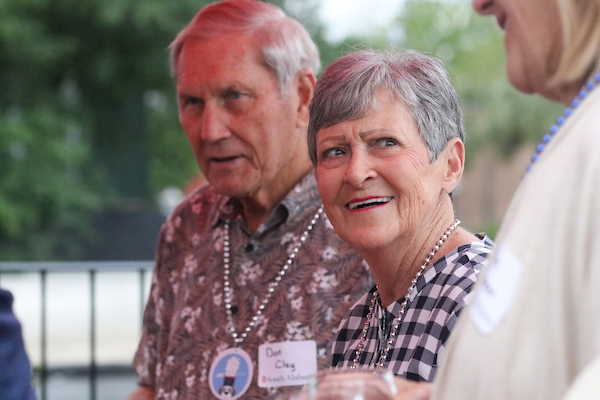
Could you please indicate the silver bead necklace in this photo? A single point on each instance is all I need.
(228, 292)
(394, 331)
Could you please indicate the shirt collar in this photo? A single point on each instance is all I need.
(302, 196)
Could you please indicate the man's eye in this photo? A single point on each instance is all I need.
(192, 101)
(233, 95)
(237, 102)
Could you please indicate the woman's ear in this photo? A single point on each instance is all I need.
(453, 158)
(305, 86)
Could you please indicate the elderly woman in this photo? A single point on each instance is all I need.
(533, 329)
(386, 137)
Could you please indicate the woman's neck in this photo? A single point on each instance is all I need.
(394, 268)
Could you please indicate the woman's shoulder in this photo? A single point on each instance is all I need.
(484, 243)
(475, 251)
(462, 265)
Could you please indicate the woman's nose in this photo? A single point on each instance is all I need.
(360, 170)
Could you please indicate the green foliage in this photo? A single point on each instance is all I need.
(171, 161)
(47, 189)
(472, 48)
(88, 118)
(73, 76)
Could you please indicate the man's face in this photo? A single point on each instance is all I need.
(243, 132)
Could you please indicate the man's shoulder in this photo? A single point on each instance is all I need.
(334, 245)
(204, 192)
(198, 211)
(204, 197)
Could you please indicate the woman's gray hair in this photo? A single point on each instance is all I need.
(348, 90)
(286, 45)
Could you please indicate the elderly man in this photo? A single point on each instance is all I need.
(251, 280)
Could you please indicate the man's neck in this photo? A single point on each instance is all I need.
(255, 219)
(257, 208)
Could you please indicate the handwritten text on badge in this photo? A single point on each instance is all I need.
(286, 363)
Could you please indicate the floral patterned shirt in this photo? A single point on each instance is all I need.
(185, 323)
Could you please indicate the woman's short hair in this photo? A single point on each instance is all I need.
(348, 90)
(285, 44)
(581, 40)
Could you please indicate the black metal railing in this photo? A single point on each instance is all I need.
(43, 269)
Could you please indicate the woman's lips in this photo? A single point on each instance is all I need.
(360, 204)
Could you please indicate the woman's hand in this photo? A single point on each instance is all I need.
(409, 390)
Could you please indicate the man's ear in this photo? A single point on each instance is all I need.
(453, 158)
(305, 87)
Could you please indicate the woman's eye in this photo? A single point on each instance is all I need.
(386, 142)
(333, 152)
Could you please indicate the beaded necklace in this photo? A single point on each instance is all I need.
(394, 331)
(228, 292)
(583, 93)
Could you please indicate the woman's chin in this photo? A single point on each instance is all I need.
(365, 243)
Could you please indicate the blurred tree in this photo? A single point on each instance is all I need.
(497, 117)
(472, 48)
(88, 118)
(73, 132)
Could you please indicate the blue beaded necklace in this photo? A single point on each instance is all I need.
(583, 93)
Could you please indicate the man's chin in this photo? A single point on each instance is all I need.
(231, 187)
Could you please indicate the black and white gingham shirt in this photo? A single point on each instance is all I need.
(441, 293)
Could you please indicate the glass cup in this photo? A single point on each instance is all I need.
(351, 384)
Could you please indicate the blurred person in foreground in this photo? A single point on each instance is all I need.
(15, 369)
(533, 328)
(251, 279)
(386, 137)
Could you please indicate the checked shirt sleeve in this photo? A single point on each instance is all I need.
(441, 294)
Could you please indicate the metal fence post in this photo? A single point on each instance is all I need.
(93, 367)
(43, 338)
(44, 372)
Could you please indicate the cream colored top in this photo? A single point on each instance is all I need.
(534, 323)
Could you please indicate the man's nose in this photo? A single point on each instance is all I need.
(214, 124)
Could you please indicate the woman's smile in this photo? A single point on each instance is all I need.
(368, 203)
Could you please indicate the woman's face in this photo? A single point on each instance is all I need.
(375, 178)
(533, 40)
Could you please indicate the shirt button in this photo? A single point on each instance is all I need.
(250, 247)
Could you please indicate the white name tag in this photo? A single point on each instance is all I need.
(286, 363)
(495, 297)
